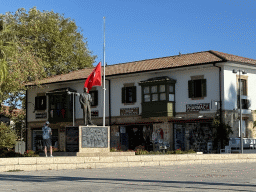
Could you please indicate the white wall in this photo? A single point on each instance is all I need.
(182, 76)
(76, 85)
(230, 87)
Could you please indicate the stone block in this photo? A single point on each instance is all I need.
(44, 160)
(158, 157)
(247, 156)
(86, 166)
(182, 157)
(208, 156)
(166, 163)
(25, 167)
(66, 166)
(136, 164)
(43, 167)
(3, 168)
(27, 160)
(9, 161)
(227, 161)
(104, 165)
(170, 157)
(53, 166)
(206, 162)
(250, 160)
(65, 160)
(108, 159)
(121, 158)
(9, 167)
(77, 159)
(152, 163)
(134, 158)
(91, 159)
(194, 161)
(217, 161)
(146, 157)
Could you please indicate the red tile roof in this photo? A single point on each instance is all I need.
(152, 64)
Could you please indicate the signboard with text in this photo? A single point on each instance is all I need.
(129, 111)
(198, 107)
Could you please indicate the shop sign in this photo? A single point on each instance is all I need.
(198, 107)
(41, 115)
(95, 113)
(129, 111)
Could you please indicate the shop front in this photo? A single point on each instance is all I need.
(133, 136)
(197, 136)
(37, 139)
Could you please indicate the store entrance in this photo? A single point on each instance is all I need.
(38, 139)
(133, 136)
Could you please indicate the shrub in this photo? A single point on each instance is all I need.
(4, 152)
(30, 153)
(141, 152)
(7, 136)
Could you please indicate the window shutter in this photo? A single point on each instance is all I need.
(36, 103)
(134, 96)
(190, 89)
(203, 84)
(123, 95)
(96, 98)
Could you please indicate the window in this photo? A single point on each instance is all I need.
(245, 103)
(40, 103)
(158, 97)
(197, 88)
(243, 87)
(171, 93)
(60, 107)
(94, 95)
(129, 94)
(158, 93)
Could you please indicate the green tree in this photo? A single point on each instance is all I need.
(221, 134)
(36, 44)
(7, 136)
(52, 38)
(18, 64)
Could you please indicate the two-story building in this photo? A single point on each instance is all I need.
(170, 100)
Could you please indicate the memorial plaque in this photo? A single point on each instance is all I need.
(94, 137)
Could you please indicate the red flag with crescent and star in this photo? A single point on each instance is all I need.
(94, 79)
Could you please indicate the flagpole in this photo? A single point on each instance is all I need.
(104, 88)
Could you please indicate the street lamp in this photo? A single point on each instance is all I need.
(77, 94)
(240, 104)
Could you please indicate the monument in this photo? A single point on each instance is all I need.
(85, 100)
(93, 139)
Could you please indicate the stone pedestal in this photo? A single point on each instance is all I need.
(94, 139)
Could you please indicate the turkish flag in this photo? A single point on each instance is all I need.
(94, 78)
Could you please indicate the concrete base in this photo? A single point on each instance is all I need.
(93, 137)
(106, 154)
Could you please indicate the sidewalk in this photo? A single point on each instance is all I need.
(59, 163)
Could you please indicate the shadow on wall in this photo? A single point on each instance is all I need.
(232, 119)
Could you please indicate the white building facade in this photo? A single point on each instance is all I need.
(156, 104)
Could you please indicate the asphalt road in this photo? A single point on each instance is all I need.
(216, 177)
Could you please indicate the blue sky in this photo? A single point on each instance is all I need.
(145, 29)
